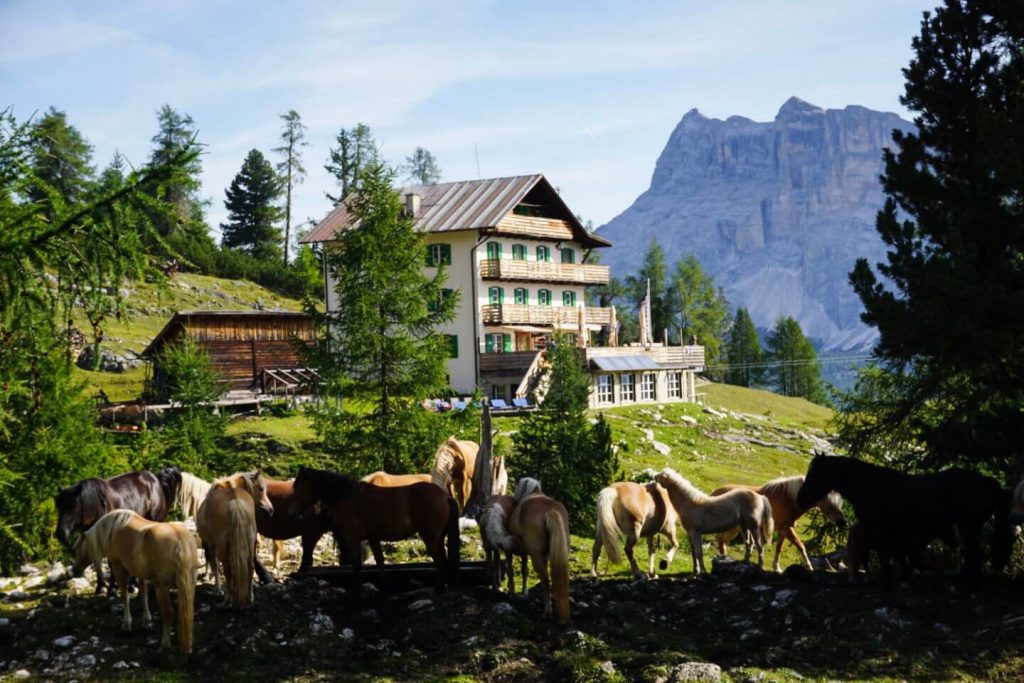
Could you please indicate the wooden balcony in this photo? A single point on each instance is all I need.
(518, 314)
(509, 363)
(540, 271)
(535, 227)
(669, 356)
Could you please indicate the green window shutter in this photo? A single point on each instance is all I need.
(430, 254)
(490, 343)
(522, 296)
(568, 256)
(508, 343)
(453, 346)
(446, 254)
(494, 250)
(568, 298)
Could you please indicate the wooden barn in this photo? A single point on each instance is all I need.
(253, 351)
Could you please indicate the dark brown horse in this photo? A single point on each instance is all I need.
(898, 512)
(310, 524)
(80, 505)
(359, 511)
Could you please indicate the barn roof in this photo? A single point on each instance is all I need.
(182, 319)
(464, 205)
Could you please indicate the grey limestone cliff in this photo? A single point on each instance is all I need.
(777, 212)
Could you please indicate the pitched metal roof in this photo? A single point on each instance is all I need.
(463, 205)
(622, 363)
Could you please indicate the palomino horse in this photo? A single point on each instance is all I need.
(541, 524)
(702, 514)
(81, 504)
(158, 552)
(899, 512)
(454, 464)
(226, 521)
(359, 511)
(781, 493)
(382, 478)
(638, 511)
(493, 523)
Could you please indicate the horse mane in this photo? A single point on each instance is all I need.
(683, 485)
(330, 486)
(527, 486)
(170, 482)
(499, 476)
(450, 456)
(784, 487)
(240, 480)
(97, 539)
(191, 494)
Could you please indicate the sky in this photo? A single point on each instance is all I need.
(585, 93)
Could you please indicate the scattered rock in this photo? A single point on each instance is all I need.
(649, 434)
(369, 589)
(321, 623)
(421, 605)
(784, 597)
(28, 570)
(118, 666)
(57, 573)
(686, 419)
(4, 621)
(714, 413)
(695, 671)
(607, 668)
(18, 595)
(664, 449)
(108, 360)
(64, 642)
(347, 634)
(86, 661)
(504, 608)
(22, 674)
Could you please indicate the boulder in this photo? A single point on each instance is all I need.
(695, 671)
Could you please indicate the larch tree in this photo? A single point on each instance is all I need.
(293, 139)
(422, 167)
(795, 370)
(698, 308)
(253, 213)
(653, 271)
(355, 153)
(948, 305)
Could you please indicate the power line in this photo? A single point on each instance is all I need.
(796, 362)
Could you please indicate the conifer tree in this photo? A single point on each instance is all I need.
(293, 139)
(654, 271)
(60, 158)
(422, 167)
(699, 309)
(355, 153)
(744, 354)
(948, 308)
(177, 133)
(253, 213)
(795, 370)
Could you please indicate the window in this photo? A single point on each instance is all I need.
(647, 386)
(438, 254)
(435, 306)
(605, 389)
(568, 256)
(543, 297)
(518, 252)
(453, 346)
(498, 343)
(522, 296)
(569, 298)
(626, 389)
(673, 385)
(544, 254)
(496, 295)
(498, 391)
(494, 250)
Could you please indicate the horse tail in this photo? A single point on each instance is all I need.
(454, 539)
(767, 521)
(185, 557)
(558, 551)
(240, 550)
(1002, 544)
(607, 526)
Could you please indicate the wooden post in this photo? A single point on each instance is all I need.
(482, 483)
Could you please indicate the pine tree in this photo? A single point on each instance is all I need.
(178, 132)
(654, 271)
(60, 158)
(795, 370)
(253, 213)
(422, 167)
(949, 310)
(381, 350)
(356, 152)
(743, 352)
(700, 309)
(293, 139)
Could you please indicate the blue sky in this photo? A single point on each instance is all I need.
(586, 93)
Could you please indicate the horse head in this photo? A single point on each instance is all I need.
(170, 481)
(303, 496)
(832, 507)
(257, 487)
(69, 504)
(818, 482)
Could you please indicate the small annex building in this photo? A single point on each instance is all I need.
(253, 351)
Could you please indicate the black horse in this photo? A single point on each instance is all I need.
(80, 505)
(900, 513)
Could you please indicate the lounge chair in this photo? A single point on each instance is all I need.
(498, 404)
(520, 403)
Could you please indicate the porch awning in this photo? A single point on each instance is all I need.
(520, 328)
(624, 363)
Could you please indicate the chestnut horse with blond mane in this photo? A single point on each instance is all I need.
(638, 511)
(454, 464)
(163, 553)
(781, 493)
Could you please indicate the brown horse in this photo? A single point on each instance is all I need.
(162, 553)
(310, 524)
(638, 511)
(454, 464)
(542, 526)
(493, 523)
(359, 511)
(781, 493)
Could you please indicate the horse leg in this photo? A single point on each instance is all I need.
(378, 557)
(163, 599)
(595, 555)
(510, 572)
(790, 533)
(147, 618)
(309, 542)
(725, 538)
(673, 545)
(540, 565)
(631, 539)
(524, 569)
(118, 572)
(696, 552)
(650, 556)
(261, 571)
(748, 538)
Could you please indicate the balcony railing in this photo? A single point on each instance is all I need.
(536, 227)
(573, 273)
(671, 356)
(507, 363)
(518, 314)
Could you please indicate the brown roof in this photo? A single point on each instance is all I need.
(181, 318)
(464, 205)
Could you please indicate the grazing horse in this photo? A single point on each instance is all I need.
(309, 524)
(900, 513)
(638, 511)
(382, 478)
(493, 523)
(80, 505)
(781, 493)
(702, 514)
(454, 464)
(226, 522)
(359, 511)
(163, 553)
(541, 525)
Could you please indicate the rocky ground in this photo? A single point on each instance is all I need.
(738, 624)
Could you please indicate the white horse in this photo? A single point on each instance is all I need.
(702, 514)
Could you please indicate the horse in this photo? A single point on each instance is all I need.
(541, 525)
(226, 521)
(898, 511)
(702, 514)
(493, 523)
(359, 511)
(454, 464)
(170, 482)
(638, 511)
(781, 493)
(163, 553)
(190, 495)
(382, 478)
(80, 505)
(309, 524)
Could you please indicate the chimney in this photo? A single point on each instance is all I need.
(412, 204)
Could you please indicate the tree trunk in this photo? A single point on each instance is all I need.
(482, 478)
